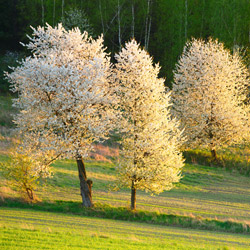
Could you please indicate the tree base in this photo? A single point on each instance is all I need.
(85, 185)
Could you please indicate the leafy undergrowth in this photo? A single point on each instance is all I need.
(232, 158)
(122, 213)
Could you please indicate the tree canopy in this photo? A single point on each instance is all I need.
(209, 94)
(65, 95)
(150, 156)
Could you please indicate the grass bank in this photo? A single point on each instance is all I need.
(122, 213)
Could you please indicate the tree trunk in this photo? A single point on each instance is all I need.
(133, 21)
(211, 135)
(186, 19)
(146, 26)
(85, 185)
(133, 196)
(235, 24)
(30, 194)
(100, 8)
(54, 12)
(42, 12)
(63, 11)
(214, 155)
(119, 25)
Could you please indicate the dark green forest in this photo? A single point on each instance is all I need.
(161, 26)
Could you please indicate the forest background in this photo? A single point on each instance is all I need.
(161, 26)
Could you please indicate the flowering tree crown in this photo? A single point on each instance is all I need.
(209, 91)
(64, 92)
(150, 155)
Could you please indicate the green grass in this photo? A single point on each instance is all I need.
(207, 197)
(122, 213)
(28, 229)
(206, 192)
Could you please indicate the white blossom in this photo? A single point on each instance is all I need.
(64, 92)
(209, 92)
(150, 156)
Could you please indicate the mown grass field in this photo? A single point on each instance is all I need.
(27, 229)
(204, 192)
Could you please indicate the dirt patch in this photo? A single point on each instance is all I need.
(104, 153)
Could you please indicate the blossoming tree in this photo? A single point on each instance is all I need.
(64, 96)
(150, 156)
(23, 172)
(209, 91)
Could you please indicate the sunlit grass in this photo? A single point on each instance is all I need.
(208, 192)
(122, 213)
(23, 229)
(234, 158)
(204, 192)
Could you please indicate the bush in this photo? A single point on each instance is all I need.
(21, 173)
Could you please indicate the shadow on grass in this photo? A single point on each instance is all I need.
(123, 213)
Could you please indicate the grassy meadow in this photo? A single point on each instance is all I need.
(204, 191)
(28, 229)
(205, 197)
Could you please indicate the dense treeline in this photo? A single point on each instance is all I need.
(162, 26)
